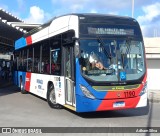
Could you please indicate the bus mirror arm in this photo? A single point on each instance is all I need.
(76, 47)
(75, 39)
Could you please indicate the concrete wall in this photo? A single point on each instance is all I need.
(152, 47)
(153, 66)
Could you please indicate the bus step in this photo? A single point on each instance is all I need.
(70, 107)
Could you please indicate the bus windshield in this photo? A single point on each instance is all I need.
(105, 59)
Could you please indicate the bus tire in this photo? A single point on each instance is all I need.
(51, 98)
(23, 91)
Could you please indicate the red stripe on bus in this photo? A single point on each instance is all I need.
(109, 104)
(29, 40)
(119, 96)
(28, 81)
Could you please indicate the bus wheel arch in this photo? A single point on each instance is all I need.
(51, 96)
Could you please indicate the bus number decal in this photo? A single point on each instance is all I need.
(129, 94)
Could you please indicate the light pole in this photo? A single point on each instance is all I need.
(132, 8)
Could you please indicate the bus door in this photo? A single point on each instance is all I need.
(69, 76)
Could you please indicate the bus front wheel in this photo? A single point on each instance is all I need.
(51, 98)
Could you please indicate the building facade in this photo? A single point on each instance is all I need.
(152, 46)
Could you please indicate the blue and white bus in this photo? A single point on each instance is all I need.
(85, 62)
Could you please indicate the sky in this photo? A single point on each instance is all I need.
(146, 12)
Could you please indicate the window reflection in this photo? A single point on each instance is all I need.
(104, 61)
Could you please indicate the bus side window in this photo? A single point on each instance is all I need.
(47, 67)
(55, 62)
(36, 59)
(30, 60)
(45, 57)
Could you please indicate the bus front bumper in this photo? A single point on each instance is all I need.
(84, 104)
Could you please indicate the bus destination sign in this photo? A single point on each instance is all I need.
(110, 31)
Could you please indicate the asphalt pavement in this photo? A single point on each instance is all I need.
(27, 110)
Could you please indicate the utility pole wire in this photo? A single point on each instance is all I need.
(132, 8)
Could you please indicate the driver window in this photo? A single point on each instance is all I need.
(55, 61)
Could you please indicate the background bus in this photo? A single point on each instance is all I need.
(85, 62)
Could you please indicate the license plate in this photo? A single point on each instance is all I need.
(118, 104)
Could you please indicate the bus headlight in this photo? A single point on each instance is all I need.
(86, 92)
(144, 90)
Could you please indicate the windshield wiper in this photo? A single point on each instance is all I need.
(128, 49)
(105, 51)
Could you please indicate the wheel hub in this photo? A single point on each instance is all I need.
(52, 97)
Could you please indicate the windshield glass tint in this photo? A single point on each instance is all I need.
(112, 60)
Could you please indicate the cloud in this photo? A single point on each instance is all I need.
(112, 5)
(119, 7)
(69, 6)
(151, 13)
(114, 13)
(150, 30)
(76, 7)
(93, 11)
(37, 15)
(150, 21)
(100, 6)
